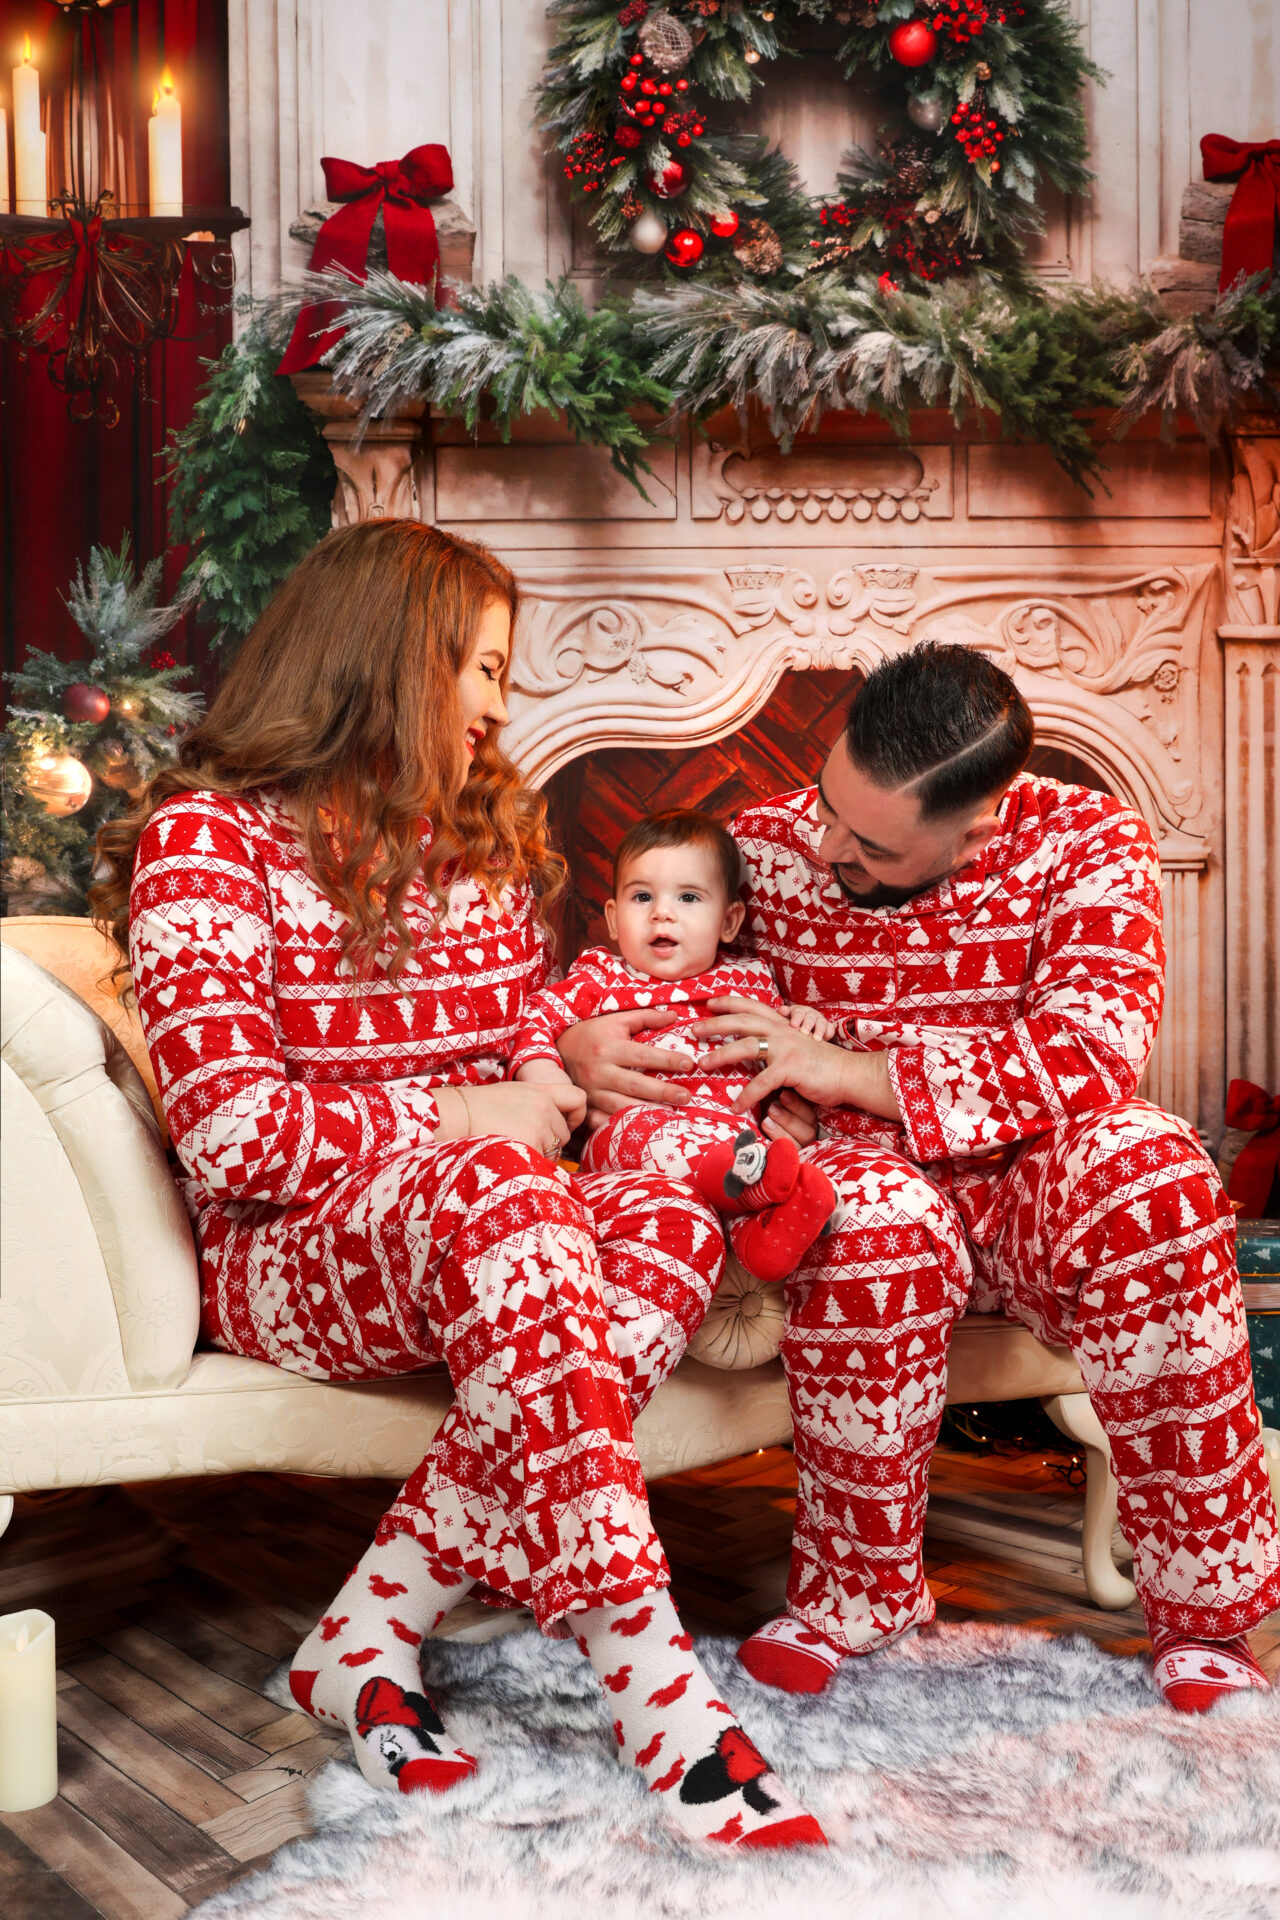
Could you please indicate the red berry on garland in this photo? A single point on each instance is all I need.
(724, 225)
(83, 703)
(913, 43)
(685, 248)
(628, 83)
(637, 60)
(887, 284)
(682, 86)
(673, 181)
(162, 661)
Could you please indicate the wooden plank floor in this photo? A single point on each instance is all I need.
(176, 1599)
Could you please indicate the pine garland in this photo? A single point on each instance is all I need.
(46, 862)
(252, 483)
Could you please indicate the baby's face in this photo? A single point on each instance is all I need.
(672, 913)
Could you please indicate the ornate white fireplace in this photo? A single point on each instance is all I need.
(1141, 625)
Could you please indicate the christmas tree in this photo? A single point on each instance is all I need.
(83, 737)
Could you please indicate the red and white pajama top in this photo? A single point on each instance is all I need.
(1020, 993)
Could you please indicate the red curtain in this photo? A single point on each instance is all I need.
(66, 485)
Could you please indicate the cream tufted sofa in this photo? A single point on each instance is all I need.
(100, 1379)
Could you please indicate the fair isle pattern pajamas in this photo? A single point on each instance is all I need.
(658, 1140)
(1019, 1000)
(337, 1240)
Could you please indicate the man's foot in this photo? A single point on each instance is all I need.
(675, 1730)
(739, 1177)
(1193, 1675)
(771, 1244)
(785, 1653)
(358, 1667)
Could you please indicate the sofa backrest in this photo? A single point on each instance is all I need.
(75, 952)
(76, 1082)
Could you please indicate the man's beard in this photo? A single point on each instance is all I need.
(878, 895)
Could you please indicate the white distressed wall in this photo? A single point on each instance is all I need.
(310, 77)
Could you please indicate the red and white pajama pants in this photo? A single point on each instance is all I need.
(558, 1305)
(662, 1140)
(1114, 1238)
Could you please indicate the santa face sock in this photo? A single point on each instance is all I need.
(1193, 1675)
(785, 1653)
(674, 1729)
(359, 1667)
(776, 1204)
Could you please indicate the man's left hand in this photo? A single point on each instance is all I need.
(828, 1075)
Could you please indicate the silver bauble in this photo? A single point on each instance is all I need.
(927, 111)
(649, 233)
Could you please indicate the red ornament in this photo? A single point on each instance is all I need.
(685, 248)
(83, 703)
(627, 137)
(887, 284)
(673, 180)
(913, 43)
(724, 225)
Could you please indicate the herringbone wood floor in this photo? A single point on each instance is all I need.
(175, 1600)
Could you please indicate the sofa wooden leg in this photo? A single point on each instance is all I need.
(1107, 1587)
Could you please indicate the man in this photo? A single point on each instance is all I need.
(988, 945)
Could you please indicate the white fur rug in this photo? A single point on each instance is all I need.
(972, 1773)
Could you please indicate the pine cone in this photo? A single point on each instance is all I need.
(757, 248)
(665, 42)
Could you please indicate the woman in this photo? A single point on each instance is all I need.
(332, 910)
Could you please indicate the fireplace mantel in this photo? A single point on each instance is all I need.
(1139, 622)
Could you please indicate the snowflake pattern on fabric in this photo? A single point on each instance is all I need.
(602, 982)
(1020, 1000)
(337, 1239)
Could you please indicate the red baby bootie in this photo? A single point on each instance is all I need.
(740, 1176)
(772, 1244)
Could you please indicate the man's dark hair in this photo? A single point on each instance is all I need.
(945, 718)
(682, 827)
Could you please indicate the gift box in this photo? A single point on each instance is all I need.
(1258, 1252)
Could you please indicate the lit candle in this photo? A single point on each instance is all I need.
(28, 1712)
(164, 151)
(29, 166)
(4, 160)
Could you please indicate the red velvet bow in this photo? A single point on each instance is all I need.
(400, 189)
(1254, 1111)
(1248, 238)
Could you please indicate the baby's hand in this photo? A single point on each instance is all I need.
(809, 1020)
(542, 1073)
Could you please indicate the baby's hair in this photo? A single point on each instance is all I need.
(682, 827)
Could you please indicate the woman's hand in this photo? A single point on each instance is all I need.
(827, 1075)
(609, 1064)
(541, 1117)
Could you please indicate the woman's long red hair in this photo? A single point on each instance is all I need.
(344, 697)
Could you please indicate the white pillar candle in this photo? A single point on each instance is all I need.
(164, 152)
(28, 1712)
(4, 160)
(30, 173)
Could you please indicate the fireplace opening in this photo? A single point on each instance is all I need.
(595, 798)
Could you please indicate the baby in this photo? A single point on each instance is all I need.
(675, 879)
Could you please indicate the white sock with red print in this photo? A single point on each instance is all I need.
(674, 1729)
(785, 1653)
(358, 1667)
(1193, 1675)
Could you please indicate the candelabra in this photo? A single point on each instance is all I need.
(94, 285)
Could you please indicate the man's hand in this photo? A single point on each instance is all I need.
(827, 1075)
(788, 1113)
(615, 1070)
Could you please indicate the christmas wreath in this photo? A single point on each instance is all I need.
(982, 105)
